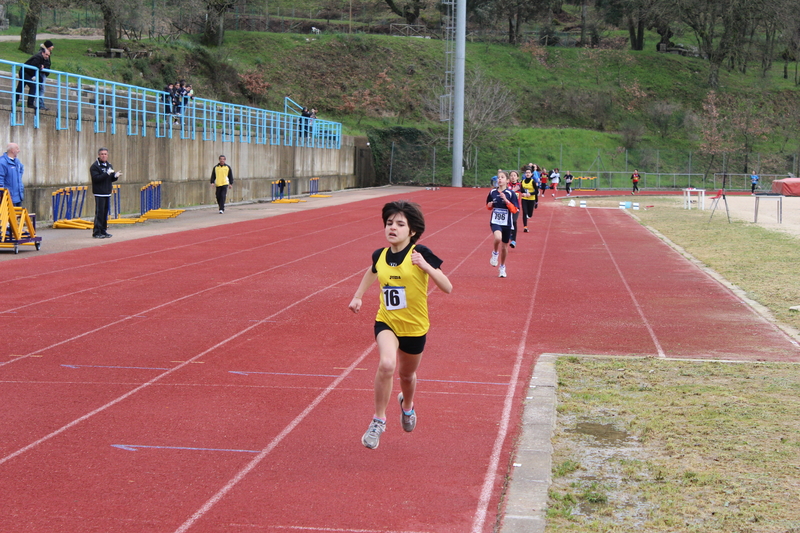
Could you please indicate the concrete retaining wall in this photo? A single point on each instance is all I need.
(60, 158)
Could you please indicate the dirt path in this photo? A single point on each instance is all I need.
(53, 37)
(743, 208)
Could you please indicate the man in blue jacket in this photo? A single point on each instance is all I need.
(11, 170)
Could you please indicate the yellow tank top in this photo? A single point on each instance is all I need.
(221, 176)
(404, 297)
(530, 188)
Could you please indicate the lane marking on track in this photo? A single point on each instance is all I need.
(203, 353)
(331, 529)
(247, 373)
(196, 293)
(479, 518)
(165, 270)
(114, 367)
(172, 248)
(503, 384)
(135, 447)
(161, 376)
(299, 418)
(274, 443)
(636, 304)
(219, 286)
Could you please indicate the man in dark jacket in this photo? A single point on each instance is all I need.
(29, 74)
(45, 71)
(103, 176)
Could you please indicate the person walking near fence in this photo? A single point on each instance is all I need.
(103, 177)
(754, 179)
(222, 179)
(401, 325)
(635, 181)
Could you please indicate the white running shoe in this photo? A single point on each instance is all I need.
(493, 260)
(502, 272)
(372, 437)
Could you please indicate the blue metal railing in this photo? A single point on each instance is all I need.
(112, 105)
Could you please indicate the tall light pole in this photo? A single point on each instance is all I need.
(458, 90)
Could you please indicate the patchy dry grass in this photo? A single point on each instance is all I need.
(650, 445)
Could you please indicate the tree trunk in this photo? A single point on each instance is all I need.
(583, 23)
(214, 31)
(27, 37)
(512, 38)
(110, 37)
(640, 34)
(632, 32)
(713, 74)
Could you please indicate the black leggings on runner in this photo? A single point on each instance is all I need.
(527, 211)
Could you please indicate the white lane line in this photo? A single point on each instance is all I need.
(171, 248)
(638, 307)
(271, 446)
(161, 376)
(479, 518)
(294, 423)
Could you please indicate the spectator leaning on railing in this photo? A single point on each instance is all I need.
(44, 72)
(30, 75)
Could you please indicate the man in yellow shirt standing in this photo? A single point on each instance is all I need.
(222, 179)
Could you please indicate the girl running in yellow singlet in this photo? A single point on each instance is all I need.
(402, 323)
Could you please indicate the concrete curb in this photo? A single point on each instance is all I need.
(526, 497)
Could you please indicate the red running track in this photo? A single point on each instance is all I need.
(214, 380)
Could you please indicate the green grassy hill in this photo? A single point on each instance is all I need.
(567, 99)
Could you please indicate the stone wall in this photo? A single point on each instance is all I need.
(60, 158)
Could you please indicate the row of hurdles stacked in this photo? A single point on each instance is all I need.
(68, 207)
(150, 203)
(280, 198)
(17, 226)
(313, 189)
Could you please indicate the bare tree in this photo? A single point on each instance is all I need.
(214, 28)
(408, 9)
(518, 12)
(719, 27)
(488, 104)
(636, 15)
(110, 23)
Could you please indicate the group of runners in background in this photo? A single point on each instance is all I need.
(512, 195)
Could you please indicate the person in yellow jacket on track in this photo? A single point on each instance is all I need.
(222, 179)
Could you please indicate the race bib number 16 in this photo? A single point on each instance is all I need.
(394, 298)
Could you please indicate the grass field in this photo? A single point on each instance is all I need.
(668, 446)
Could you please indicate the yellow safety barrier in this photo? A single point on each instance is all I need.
(17, 227)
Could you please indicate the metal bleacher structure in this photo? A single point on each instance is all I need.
(120, 108)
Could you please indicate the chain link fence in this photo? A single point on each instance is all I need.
(402, 162)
